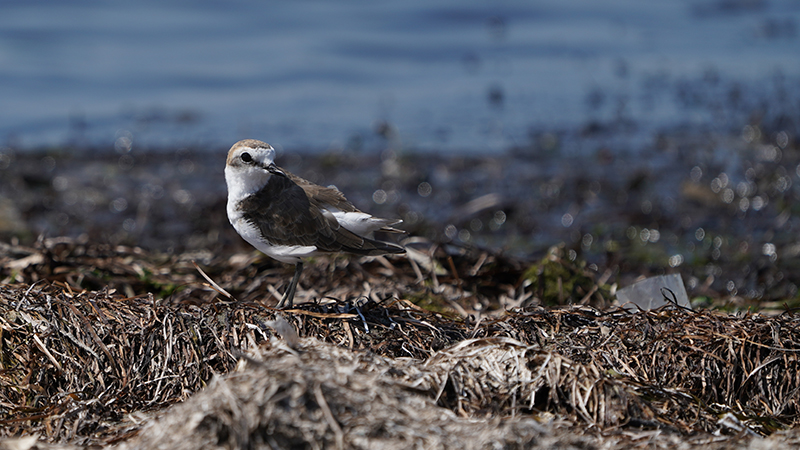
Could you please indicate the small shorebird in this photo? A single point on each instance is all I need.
(289, 218)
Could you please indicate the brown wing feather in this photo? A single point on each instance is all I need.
(319, 195)
(287, 212)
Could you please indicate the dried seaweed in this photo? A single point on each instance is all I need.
(323, 396)
(89, 366)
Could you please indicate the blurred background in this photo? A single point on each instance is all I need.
(476, 76)
(644, 137)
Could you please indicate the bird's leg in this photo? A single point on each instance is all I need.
(288, 297)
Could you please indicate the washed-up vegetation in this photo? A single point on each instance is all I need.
(487, 362)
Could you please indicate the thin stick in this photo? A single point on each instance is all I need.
(337, 430)
(214, 285)
(44, 349)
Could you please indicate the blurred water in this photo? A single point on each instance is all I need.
(450, 75)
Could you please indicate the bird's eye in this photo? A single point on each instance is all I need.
(246, 157)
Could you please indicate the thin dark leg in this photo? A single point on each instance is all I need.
(288, 297)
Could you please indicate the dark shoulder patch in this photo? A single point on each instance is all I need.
(287, 213)
(282, 213)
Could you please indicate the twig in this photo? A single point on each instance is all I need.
(337, 430)
(213, 285)
(44, 349)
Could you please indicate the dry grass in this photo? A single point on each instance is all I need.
(87, 366)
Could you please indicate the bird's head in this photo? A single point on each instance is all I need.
(248, 168)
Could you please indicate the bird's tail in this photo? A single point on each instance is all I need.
(387, 227)
(374, 248)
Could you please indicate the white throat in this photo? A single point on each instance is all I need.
(243, 182)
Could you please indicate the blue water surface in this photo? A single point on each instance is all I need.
(453, 75)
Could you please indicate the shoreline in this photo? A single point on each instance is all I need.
(716, 208)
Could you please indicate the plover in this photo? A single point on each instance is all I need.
(289, 218)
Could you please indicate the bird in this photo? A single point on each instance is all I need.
(289, 218)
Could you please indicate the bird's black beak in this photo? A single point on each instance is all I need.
(275, 170)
